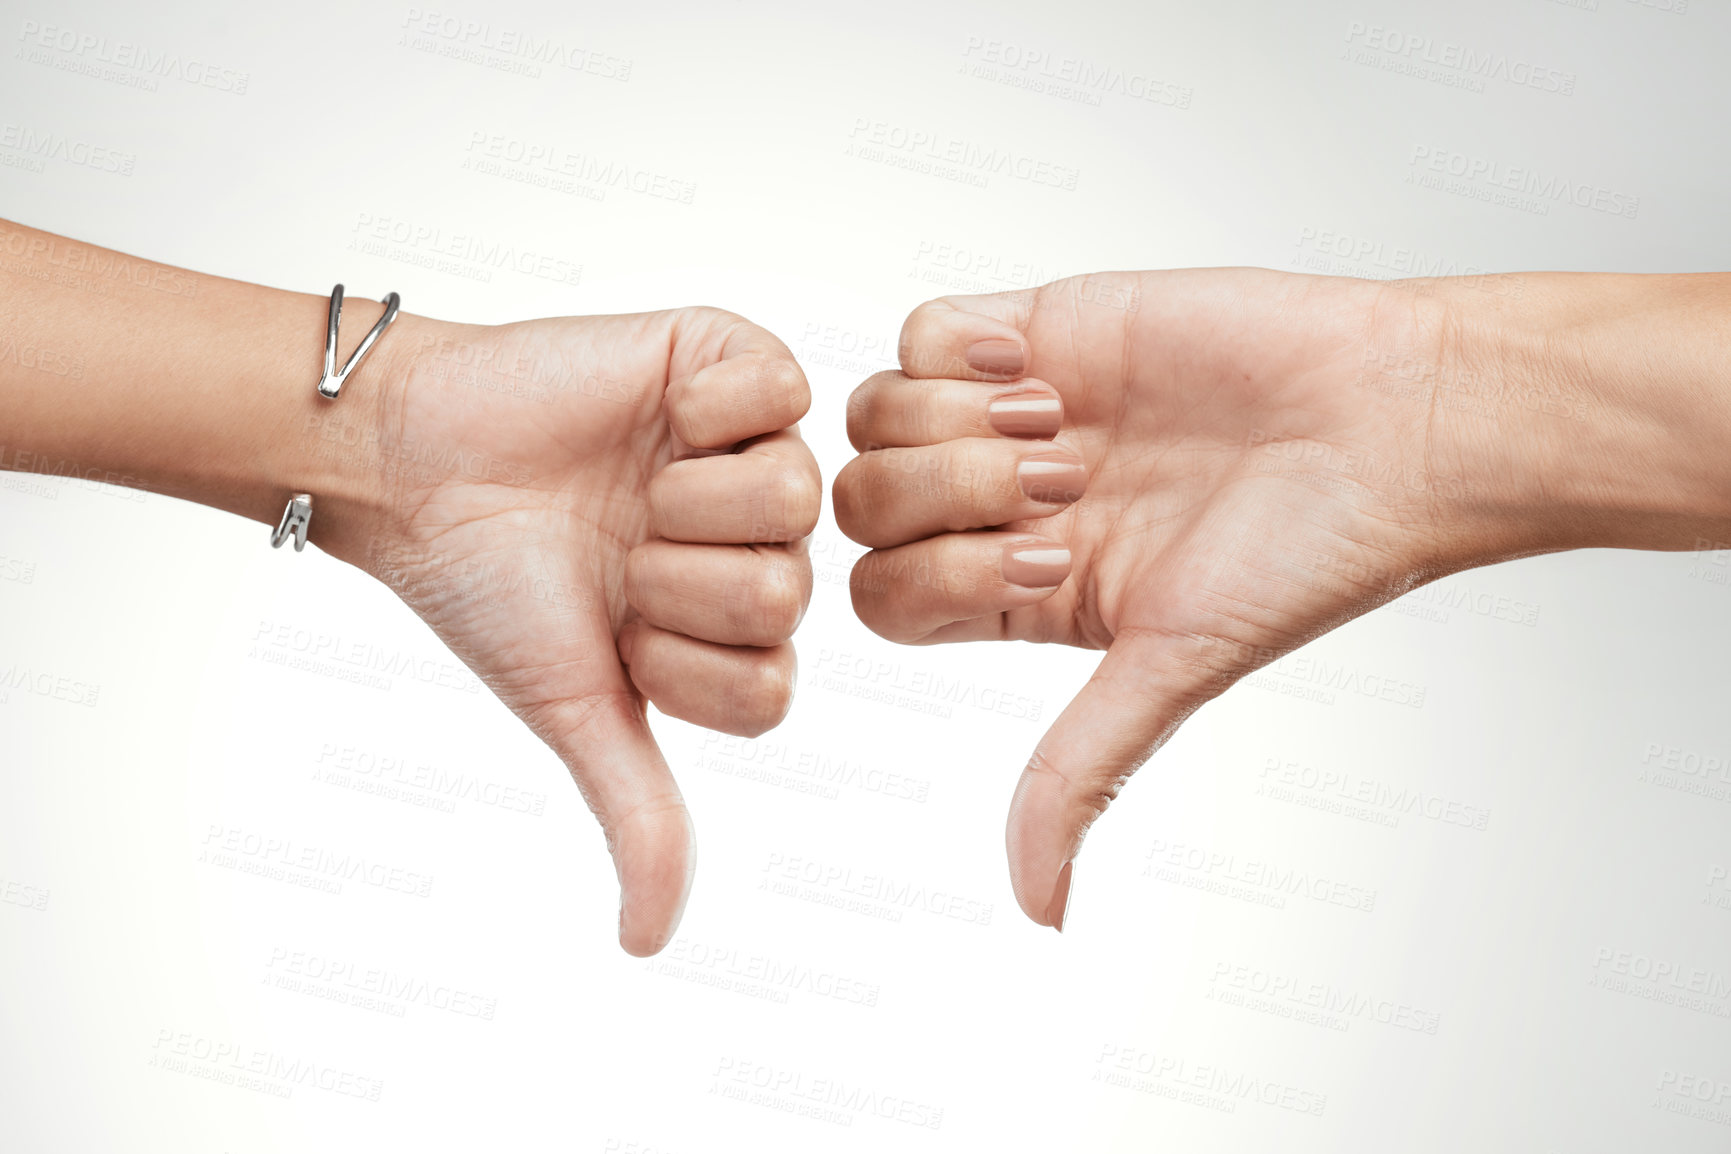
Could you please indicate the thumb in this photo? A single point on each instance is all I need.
(1143, 689)
(604, 739)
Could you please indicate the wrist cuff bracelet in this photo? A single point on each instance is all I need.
(299, 512)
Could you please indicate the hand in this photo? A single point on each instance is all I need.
(1194, 471)
(593, 512)
(559, 499)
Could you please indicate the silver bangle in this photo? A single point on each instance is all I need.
(299, 512)
(294, 522)
(333, 380)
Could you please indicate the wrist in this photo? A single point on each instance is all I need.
(1588, 410)
(339, 450)
(265, 433)
(394, 450)
(206, 395)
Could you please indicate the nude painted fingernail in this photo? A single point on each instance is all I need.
(1036, 566)
(1027, 415)
(1052, 478)
(1060, 904)
(996, 358)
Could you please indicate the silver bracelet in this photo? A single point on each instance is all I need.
(299, 512)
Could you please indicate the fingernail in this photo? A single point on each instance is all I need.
(1060, 898)
(1036, 566)
(627, 639)
(1052, 478)
(997, 358)
(1027, 415)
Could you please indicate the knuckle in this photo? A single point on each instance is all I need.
(976, 483)
(865, 411)
(784, 505)
(879, 600)
(928, 349)
(762, 697)
(1090, 793)
(867, 587)
(851, 504)
(918, 328)
(919, 359)
(916, 419)
(711, 316)
(798, 500)
(892, 409)
(989, 483)
(644, 819)
(692, 422)
(782, 388)
(860, 406)
(779, 602)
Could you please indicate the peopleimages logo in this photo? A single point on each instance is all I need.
(100, 264)
(1315, 678)
(556, 161)
(1039, 70)
(881, 140)
(758, 975)
(85, 51)
(1470, 62)
(1375, 795)
(315, 867)
(47, 683)
(1484, 178)
(18, 894)
(923, 690)
(1362, 256)
(361, 656)
(1259, 882)
(41, 145)
(456, 32)
(878, 895)
(776, 762)
(371, 987)
(1319, 1003)
(797, 1092)
(1209, 1085)
(1669, 981)
(423, 244)
(233, 1063)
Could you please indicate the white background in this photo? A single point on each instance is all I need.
(852, 949)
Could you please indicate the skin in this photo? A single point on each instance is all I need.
(1256, 458)
(592, 512)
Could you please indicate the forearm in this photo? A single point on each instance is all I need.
(194, 386)
(1593, 409)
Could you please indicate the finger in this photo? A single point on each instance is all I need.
(893, 409)
(728, 594)
(754, 386)
(604, 739)
(906, 593)
(975, 338)
(742, 691)
(1146, 685)
(769, 491)
(894, 496)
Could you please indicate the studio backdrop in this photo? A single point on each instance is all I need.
(277, 873)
